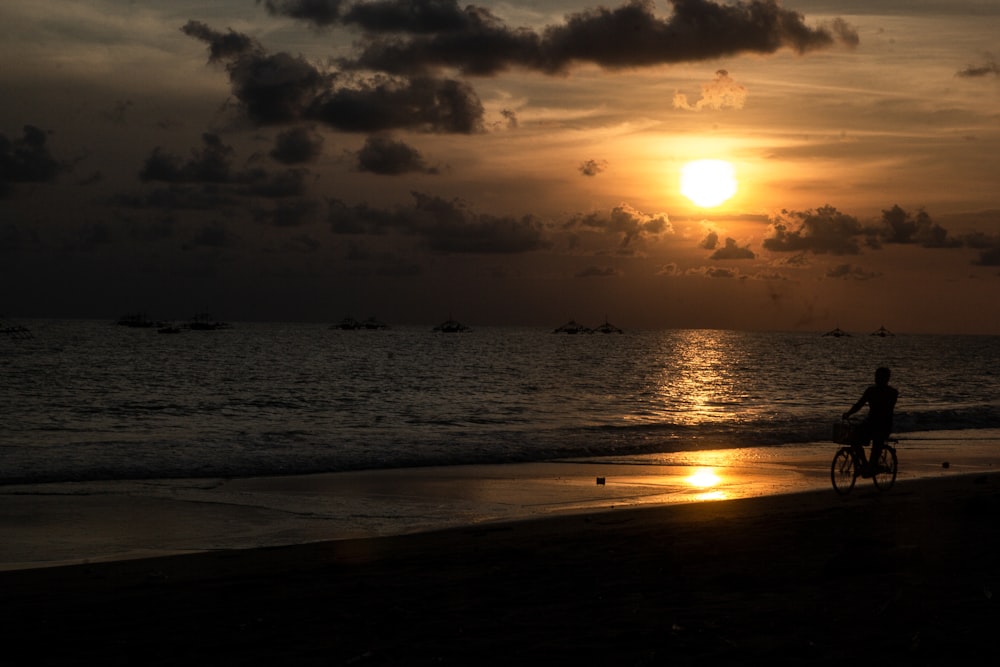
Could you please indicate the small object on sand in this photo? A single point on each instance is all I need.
(945, 465)
(600, 481)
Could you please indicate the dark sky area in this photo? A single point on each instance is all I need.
(503, 162)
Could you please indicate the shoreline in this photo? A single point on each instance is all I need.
(908, 576)
(49, 525)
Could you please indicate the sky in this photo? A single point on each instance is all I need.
(503, 163)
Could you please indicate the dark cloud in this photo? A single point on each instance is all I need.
(711, 241)
(714, 272)
(988, 68)
(176, 197)
(287, 183)
(209, 165)
(26, 160)
(443, 225)
(625, 222)
(207, 179)
(732, 251)
(598, 272)
(387, 156)
(511, 118)
(221, 45)
(411, 39)
(899, 226)
(295, 213)
(281, 88)
(849, 272)
(989, 257)
(213, 235)
(424, 104)
(116, 115)
(593, 167)
(478, 43)
(825, 230)
(297, 146)
(319, 12)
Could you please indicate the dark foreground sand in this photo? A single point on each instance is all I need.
(909, 577)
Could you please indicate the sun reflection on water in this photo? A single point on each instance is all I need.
(703, 478)
(706, 479)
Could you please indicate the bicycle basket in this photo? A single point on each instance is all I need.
(843, 432)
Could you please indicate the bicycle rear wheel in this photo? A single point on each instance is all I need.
(843, 472)
(885, 477)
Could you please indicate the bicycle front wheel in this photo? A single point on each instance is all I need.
(885, 476)
(843, 472)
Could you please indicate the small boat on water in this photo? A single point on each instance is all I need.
(137, 321)
(607, 328)
(882, 332)
(451, 326)
(351, 324)
(205, 322)
(837, 332)
(347, 324)
(15, 331)
(572, 327)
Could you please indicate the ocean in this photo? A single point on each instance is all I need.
(91, 400)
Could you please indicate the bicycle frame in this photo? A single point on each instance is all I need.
(846, 468)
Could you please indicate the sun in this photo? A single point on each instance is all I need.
(708, 183)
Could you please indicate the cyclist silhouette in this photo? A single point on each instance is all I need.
(881, 400)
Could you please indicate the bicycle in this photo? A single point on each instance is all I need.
(846, 466)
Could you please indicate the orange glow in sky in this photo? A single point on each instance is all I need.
(616, 159)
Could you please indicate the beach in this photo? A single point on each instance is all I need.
(905, 577)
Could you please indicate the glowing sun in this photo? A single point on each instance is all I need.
(708, 183)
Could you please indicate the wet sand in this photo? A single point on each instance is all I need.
(907, 577)
(55, 524)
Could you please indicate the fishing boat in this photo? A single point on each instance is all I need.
(837, 332)
(571, 327)
(451, 326)
(347, 324)
(15, 331)
(205, 322)
(607, 328)
(882, 332)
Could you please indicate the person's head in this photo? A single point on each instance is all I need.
(882, 376)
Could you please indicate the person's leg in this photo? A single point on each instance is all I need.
(877, 443)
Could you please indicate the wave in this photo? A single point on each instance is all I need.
(296, 451)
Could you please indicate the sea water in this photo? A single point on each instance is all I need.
(89, 400)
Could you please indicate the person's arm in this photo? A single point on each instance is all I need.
(857, 406)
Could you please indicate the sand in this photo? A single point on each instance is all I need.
(907, 577)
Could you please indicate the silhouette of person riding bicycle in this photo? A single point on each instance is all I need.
(850, 461)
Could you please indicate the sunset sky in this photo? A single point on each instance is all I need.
(509, 162)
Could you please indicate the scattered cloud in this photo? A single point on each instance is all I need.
(720, 93)
(593, 167)
(824, 230)
(26, 160)
(444, 225)
(387, 156)
(732, 251)
(988, 67)
(899, 226)
(599, 272)
(850, 272)
(297, 145)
